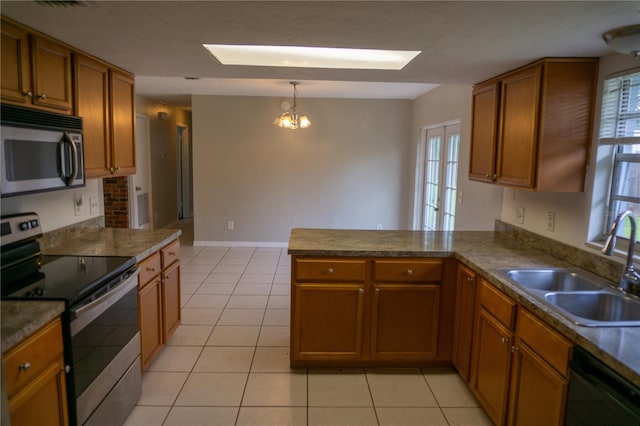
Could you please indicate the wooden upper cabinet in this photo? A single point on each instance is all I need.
(36, 70)
(92, 104)
(532, 127)
(123, 120)
(484, 129)
(16, 65)
(105, 101)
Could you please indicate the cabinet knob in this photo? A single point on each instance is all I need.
(361, 290)
(151, 269)
(514, 349)
(42, 96)
(409, 271)
(27, 94)
(504, 339)
(487, 176)
(111, 170)
(377, 290)
(117, 168)
(469, 279)
(330, 271)
(24, 367)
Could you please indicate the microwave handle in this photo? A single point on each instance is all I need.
(66, 138)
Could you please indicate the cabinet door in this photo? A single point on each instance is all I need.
(43, 401)
(16, 69)
(92, 104)
(150, 307)
(404, 322)
(482, 165)
(170, 300)
(327, 321)
(463, 323)
(123, 124)
(538, 392)
(51, 64)
(518, 135)
(491, 366)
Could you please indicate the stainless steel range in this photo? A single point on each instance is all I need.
(100, 324)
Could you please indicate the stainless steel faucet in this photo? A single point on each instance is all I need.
(630, 280)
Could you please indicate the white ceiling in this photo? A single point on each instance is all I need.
(461, 42)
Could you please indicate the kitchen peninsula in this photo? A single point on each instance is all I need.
(359, 261)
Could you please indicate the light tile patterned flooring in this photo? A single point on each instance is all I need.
(228, 363)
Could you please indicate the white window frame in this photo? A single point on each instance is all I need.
(444, 178)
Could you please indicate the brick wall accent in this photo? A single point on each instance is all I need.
(116, 202)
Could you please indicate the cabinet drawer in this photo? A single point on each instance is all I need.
(26, 361)
(170, 253)
(149, 268)
(407, 271)
(501, 307)
(329, 270)
(546, 342)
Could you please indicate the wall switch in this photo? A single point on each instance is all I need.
(94, 205)
(551, 221)
(460, 197)
(230, 225)
(77, 204)
(519, 214)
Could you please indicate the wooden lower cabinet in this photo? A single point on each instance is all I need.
(405, 322)
(35, 379)
(158, 300)
(328, 321)
(350, 312)
(520, 366)
(463, 323)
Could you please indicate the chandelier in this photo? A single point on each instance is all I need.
(292, 119)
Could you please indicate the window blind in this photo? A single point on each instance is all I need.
(620, 115)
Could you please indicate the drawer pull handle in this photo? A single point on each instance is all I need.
(151, 269)
(330, 271)
(172, 253)
(409, 271)
(24, 367)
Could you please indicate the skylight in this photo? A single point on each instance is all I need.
(311, 57)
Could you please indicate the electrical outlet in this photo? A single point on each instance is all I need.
(230, 225)
(551, 221)
(94, 205)
(519, 214)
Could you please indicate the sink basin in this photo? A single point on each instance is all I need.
(594, 308)
(551, 280)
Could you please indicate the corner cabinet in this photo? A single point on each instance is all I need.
(104, 98)
(36, 70)
(35, 379)
(519, 366)
(349, 312)
(158, 300)
(531, 128)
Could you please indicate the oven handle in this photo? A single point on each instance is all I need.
(82, 316)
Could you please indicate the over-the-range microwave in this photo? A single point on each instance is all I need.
(40, 151)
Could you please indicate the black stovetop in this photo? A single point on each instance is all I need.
(65, 278)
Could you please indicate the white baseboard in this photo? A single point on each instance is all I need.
(239, 244)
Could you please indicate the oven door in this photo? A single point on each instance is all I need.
(104, 351)
(38, 160)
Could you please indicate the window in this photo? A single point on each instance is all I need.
(620, 127)
(438, 174)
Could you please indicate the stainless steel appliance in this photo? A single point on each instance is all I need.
(100, 324)
(40, 151)
(598, 395)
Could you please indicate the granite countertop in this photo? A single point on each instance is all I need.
(484, 252)
(138, 243)
(21, 318)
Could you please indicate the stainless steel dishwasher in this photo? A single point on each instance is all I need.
(598, 395)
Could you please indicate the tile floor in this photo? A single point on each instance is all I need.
(228, 363)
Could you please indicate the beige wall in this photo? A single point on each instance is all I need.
(481, 203)
(572, 211)
(348, 170)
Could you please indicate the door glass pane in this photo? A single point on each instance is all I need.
(432, 179)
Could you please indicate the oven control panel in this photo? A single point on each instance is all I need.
(17, 227)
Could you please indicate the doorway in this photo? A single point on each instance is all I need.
(140, 183)
(185, 172)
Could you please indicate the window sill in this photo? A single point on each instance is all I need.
(619, 253)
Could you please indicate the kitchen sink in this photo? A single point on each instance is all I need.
(592, 307)
(578, 295)
(551, 280)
